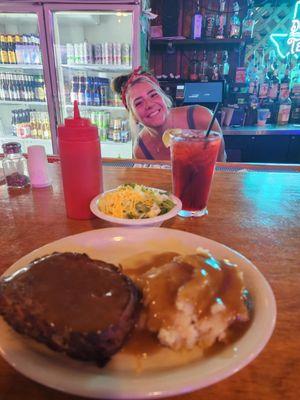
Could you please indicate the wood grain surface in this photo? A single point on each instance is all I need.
(254, 212)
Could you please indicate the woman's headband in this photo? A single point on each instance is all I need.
(137, 73)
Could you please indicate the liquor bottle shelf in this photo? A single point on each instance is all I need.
(198, 42)
(98, 67)
(18, 103)
(97, 108)
(22, 66)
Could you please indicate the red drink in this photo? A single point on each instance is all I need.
(193, 163)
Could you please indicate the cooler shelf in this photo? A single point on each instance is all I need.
(98, 67)
(20, 103)
(97, 108)
(21, 66)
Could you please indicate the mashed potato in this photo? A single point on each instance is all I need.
(192, 300)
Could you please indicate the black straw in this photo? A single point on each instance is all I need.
(212, 120)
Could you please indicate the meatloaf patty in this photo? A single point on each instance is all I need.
(83, 307)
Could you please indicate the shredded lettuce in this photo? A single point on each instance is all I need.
(135, 201)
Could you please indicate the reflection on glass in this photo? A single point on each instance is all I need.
(23, 105)
(91, 48)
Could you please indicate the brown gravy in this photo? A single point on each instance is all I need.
(219, 283)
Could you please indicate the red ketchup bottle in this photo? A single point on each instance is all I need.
(81, 166)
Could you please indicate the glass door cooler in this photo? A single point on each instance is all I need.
(90, 45)
(24, 80)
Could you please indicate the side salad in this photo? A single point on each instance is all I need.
(133, 201)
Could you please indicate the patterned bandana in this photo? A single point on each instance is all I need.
(137, 73)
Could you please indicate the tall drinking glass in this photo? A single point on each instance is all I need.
(193, 157)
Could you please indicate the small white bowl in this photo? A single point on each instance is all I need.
(135, 223)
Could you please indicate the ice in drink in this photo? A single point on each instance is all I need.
(193, 163)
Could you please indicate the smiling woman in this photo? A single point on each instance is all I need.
(149, 106)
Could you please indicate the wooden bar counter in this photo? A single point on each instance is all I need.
(255, 210)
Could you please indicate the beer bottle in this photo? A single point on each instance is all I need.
(11, 50)
(39, 126)
(5, 87)
(235, 23)
(196, 25)
(4, 54)
(18, 49)
(41, 89)
(2, 93)
(21, 87)
(33, 127)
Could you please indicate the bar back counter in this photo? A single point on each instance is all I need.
(267, 144)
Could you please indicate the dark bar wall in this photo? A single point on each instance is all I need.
(260, 116)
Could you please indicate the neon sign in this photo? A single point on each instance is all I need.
(289, 43)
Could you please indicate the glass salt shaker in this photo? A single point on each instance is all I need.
(15, 166)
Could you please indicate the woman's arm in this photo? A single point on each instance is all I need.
(202, 117)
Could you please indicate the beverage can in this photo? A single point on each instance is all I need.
(108, 53)
(98, 53)
(106, 119)
(70, 53)
(102, 58)
(100, 122)
(81, 53)
(117, 53)
(76, 53)
(126, 54)
(84, 53)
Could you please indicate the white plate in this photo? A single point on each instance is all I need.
(114, 245)
(136, 223)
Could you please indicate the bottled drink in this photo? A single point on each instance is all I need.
(284, 110)
(80, 155)
(251, 111)
(96, 92)
(248, 25)
(235, 23)
(286, 77)
(194, 68)
(196, 26)
(117, 53)
(221, 21)
(19, 49)
(74, 89)
(33, 124)
(204, 68)
(209, 25)
(38, 49)
(81, 92)
(225, 65)
(3, 51)
(295, 110)
(284, 103)
(264, 86)
(11, 50)
(14, 123)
